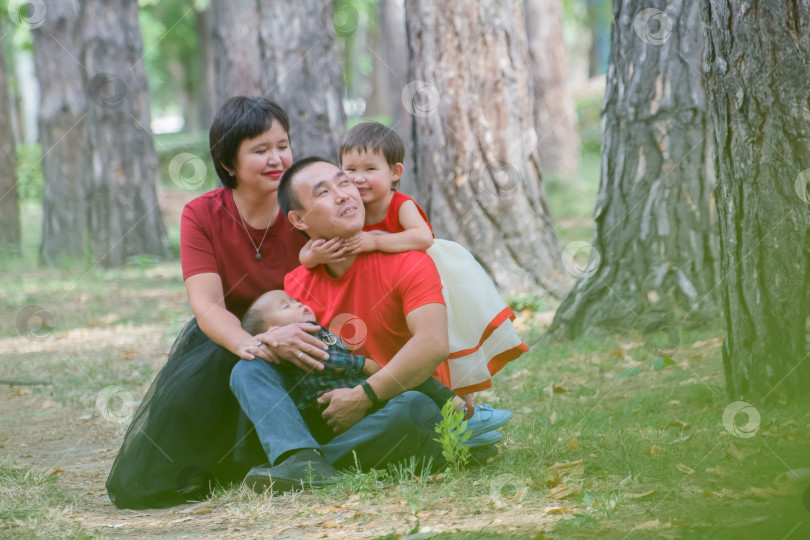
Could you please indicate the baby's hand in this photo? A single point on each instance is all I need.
(361, 242)
(371, 367)
(329, 251)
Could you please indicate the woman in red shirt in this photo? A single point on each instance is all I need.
(234, 246)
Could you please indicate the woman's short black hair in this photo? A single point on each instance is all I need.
(240, 118)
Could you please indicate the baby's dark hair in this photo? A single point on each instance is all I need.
(252, 321)
(375, 137)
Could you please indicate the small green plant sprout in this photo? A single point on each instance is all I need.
(453, 434)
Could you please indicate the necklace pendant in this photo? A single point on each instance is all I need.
(258, 256)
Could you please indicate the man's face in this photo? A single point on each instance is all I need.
(331, 202)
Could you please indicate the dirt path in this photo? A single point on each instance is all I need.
(79, 448)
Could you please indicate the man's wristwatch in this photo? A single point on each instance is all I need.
(372, 395)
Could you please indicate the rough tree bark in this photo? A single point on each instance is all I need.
(62, 110)
(124, 215)
(9, 198)
(300, 71)
(395, 59)
(555, 114)
(654, 254)
(237, 57)
(758, 58)
(475, 146)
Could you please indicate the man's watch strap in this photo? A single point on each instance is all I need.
(372, 395)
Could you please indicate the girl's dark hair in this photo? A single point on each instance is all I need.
(240, 118)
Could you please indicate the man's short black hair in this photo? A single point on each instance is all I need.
(240, 118)
(287, 199)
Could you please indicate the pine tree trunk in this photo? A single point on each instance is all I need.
(555, 114)
(301, 72)
(654, 256)
(237, 57)
(125, 218)
(9, 199)
(758, 57)
(395, 58)
(475, 146)
(62, 111)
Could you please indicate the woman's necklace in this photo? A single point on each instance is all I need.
(257, 248)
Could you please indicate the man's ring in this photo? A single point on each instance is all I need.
(258, 343)
(300, 354)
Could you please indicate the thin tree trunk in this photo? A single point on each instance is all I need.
(654, 256)
(301, 72)
(125, 218)
(62, 111)
(394, 41)
(475, 144)
(206, 90)
(555, 114)
(237, 57)
(758, 58)
(9, 199)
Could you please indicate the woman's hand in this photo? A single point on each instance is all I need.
(292, 343)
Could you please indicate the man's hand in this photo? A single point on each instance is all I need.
(370, 367)
(346, 407)
(361, 242)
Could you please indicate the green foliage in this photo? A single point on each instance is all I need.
(29, 172)
(453, 434)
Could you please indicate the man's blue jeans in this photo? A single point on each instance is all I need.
(401, 429)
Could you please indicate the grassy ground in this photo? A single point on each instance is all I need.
(602, 445)
(613, 436)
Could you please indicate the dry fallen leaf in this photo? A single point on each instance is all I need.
(680, 424)
(563, 490)
(48, 404)
(570, 469)
(647, 525)
(684, 469)
(557, 510)
(55, 472)
(639, 495)
(656, 450)
(572, 445)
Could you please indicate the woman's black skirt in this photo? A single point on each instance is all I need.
(189, 432)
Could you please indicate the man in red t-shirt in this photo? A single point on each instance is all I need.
(394, 304)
